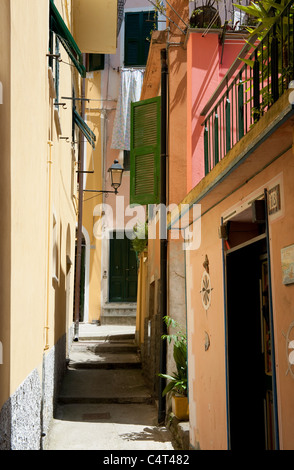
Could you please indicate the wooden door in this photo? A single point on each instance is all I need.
(123, 270)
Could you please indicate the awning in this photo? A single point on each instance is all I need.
(59, 27)
(85, 129)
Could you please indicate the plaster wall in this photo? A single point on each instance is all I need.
(28, 186)
(5, 199)
(207, 64)
(38, 189)
(207, 375)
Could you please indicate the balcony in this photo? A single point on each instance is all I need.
(250, 88)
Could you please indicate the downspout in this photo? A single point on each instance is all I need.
(46, 327)
(163, 235)
(80, 219)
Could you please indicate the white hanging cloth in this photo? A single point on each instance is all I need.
(130, 91)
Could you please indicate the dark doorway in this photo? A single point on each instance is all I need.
(249, 347)
(122, 270)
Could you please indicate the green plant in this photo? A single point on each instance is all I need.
(140, 234)
(267, 13)
(179, 380)
(264, 13)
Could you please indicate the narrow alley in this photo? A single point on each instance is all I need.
(104, 403)
(147, 228)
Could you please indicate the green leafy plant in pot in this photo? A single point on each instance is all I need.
(178, 381)
(140, 237)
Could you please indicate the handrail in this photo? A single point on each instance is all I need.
(250, 88)
(230, 73)
(232, 70)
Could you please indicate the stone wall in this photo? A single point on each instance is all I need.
(26, 415)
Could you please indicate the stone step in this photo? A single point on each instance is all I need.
(118, 319)
(109, 346)
(104, 386)
(119, 314)
(109, 363)
(104, 355)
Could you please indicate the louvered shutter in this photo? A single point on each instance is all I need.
(145, 152)
(132, 38)
(138, 27)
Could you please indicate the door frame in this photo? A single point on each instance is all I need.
(225, 286)
(105, 264)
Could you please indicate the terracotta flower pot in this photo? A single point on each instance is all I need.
(180, 407)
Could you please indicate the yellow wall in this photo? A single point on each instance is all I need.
(95, 25)
(91, 200)
(29, 125)
(28, 185)
(5, 199)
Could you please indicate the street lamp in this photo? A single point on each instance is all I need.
(116, 172)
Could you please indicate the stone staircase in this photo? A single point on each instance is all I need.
(105, 387)
(119, 313)
(106, 369)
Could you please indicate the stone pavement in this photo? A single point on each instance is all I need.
(104, 403)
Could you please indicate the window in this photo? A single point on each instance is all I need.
(94, 62)
(138, 27)
(84, 128)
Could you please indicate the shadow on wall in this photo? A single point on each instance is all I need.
(60, 322)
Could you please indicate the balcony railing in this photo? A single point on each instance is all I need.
(258, 81)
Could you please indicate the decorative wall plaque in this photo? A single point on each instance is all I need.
(290, 349)
(287, 259)
(205, 290)
(274, 200)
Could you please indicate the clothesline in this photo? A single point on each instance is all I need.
(132, 69)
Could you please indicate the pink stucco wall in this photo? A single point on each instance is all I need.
(207, 64)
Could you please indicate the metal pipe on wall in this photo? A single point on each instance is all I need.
(163, 236)
(46, 327)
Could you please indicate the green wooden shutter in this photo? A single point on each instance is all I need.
(145, 152)
(132, 38)
(58, 26)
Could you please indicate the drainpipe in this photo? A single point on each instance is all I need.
(49, 162)
(163, 235)
(80, 220)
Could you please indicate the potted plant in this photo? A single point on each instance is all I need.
(140, 237)
(178, 381)
(205, 15)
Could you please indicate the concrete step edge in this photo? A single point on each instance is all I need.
(106, 400)
(104, 365)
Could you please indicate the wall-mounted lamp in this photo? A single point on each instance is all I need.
(116, 172)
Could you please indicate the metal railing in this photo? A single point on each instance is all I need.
(260, 79)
